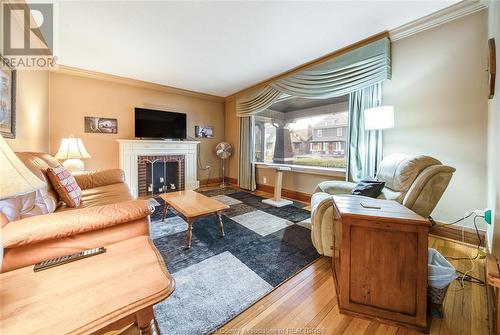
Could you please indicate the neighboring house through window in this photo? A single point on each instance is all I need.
(299, 131)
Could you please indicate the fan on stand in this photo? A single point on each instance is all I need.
(223, 151)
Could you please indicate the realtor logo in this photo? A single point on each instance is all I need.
(28, 29)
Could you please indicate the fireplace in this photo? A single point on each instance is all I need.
(160, 174)
(184, 153)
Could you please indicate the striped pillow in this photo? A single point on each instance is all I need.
(65, 185)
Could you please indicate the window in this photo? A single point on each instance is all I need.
(299, 131)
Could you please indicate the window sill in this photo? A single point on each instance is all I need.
(334, 172)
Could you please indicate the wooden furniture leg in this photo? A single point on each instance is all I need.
(145, 321)
(189, 234)
(165, 210)
(221, 225)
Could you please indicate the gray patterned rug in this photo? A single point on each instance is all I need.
(218, 278)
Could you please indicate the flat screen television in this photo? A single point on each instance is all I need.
(151, 123)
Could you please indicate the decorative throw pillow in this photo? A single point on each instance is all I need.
(368, 188)
(65, 185)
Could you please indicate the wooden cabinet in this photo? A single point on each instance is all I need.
(380, 260)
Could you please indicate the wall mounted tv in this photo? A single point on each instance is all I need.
(151, 123)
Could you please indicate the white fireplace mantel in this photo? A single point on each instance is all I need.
(130, 150)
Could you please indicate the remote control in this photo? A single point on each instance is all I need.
(50, 263)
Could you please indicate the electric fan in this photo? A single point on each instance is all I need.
(223, 151)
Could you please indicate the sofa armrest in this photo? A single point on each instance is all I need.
(100, 178)
(68, 223)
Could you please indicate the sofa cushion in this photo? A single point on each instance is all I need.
(398, 171)
(102, 195)
(65, 185)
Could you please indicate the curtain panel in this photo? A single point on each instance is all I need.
(246, 173)
(365, 146)
(338, 76)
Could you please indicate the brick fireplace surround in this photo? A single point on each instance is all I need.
(132, 154)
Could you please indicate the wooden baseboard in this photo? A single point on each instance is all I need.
(294, 195)
(455, 233)
(216, 181)
(232, 181)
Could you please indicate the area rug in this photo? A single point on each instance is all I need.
(218, 278)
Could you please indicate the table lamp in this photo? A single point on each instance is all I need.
(72, 151)
(381, 117)
(15, 178)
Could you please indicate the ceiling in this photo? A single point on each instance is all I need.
(217, 47)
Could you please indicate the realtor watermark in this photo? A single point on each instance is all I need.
(28, 35)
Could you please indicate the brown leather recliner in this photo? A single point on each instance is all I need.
(44, 228)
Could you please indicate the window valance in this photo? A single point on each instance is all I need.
(337, 76)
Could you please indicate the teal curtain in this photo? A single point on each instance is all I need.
(246, 174)
(365, 146)
(338, 76)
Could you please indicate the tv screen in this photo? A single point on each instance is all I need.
(151, 123)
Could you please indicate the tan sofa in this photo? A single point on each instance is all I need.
(417, 182)
(45, 228)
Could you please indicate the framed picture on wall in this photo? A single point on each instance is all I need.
(101, 125)
(205, 132)
(7, 99)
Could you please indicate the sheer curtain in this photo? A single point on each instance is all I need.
(365, 146)
(246, 173)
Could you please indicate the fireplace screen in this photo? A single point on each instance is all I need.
(160, 174)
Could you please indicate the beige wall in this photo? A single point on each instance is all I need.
(74, 97)
(32, 112)
(438, 90)
(494, 136)
(32, 103)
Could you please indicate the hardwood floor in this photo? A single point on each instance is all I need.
(307, 302)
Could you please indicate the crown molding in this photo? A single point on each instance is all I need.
(438, 18)
(73, 71)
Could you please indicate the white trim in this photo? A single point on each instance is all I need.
(322, 171)
(438, 18)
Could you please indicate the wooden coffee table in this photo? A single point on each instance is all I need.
(93, 295)
(193, 205)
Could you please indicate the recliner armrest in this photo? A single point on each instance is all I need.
(335, 187)
(100, 178)
(68, 223)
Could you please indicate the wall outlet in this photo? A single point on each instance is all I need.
(264, 180)
(486, 214)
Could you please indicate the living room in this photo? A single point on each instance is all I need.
(219, 152)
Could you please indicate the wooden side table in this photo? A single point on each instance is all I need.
(91, 295)
(380, 260)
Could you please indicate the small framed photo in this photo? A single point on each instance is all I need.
(101, 125)
(205, 132)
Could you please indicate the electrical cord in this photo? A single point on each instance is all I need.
(465, 276)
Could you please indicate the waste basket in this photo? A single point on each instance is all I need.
(440, 275)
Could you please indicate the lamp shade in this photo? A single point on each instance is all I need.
(15, 178)
(72, 148)
(381, 117)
